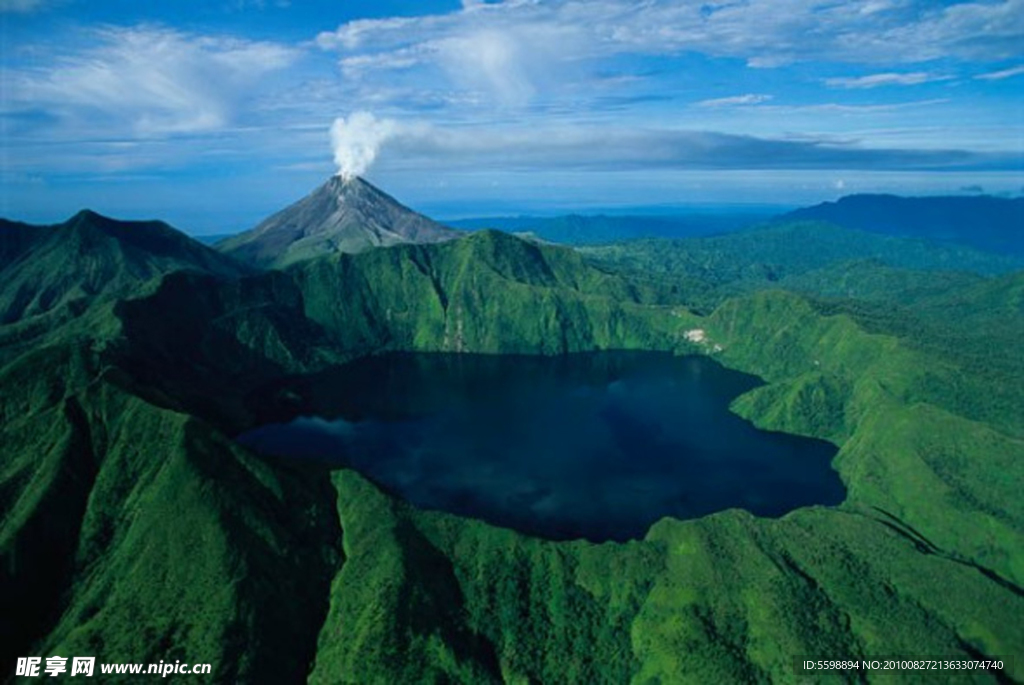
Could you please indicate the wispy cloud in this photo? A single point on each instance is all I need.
(490, 58)
(604, 148)
(841, 108)
(764, 32)
(1001, 74)
(885, 79)
(155, 81)
(735, 100)
(504, 53)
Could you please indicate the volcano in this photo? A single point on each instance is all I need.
(339, 216)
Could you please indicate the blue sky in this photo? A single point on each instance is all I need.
(214, 114)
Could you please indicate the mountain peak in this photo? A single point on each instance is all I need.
(354, 182)
(355, 189)
(351, 189)
(342, 215)
(85, 215)
(90, 257)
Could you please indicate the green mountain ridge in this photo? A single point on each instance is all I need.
(134, 530)
(89, 255)
(51, 275)
(133, 527)
(487, 292)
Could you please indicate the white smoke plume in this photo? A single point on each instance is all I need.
(357, 140)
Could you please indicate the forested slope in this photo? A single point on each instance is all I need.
(134, 528)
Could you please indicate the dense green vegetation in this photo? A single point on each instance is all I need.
(135, 533)
(51, 275)
(132, 527)
(961, 305)
(773, 252)
(489, 292)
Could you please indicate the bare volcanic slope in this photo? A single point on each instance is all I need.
(340, 216)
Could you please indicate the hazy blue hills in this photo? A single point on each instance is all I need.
(575, 229)
(785, 255)
(987, 223)
(984, 222)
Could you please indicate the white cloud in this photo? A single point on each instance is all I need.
(157, 81)
(838, 108)
(736, 100)
(357, 141)
(967, 30)
(489, 60)
(885, 79)
(766, 33)
(491, 53)
(508, 84)
(1001, 74)
(355, 66)
(562, 57)
(548, 147)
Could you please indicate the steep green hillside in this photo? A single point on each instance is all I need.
(925, 557)
(88, 256)
(487, 292)
(955, 303)
(722, 599)
(133, 528)
(967, 323)
(50, 275)
(206, 345)
(139, 534)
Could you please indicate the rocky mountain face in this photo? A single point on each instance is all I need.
(338, 217)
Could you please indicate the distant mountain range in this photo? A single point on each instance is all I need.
(984, 222)
(353, 217)
(799, 255)
(988, 223)
(576, 229)
(338, 217)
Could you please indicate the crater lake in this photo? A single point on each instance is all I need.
(597, 446)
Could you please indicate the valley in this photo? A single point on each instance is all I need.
(135, 525)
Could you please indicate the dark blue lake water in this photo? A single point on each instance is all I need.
(598, 446)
